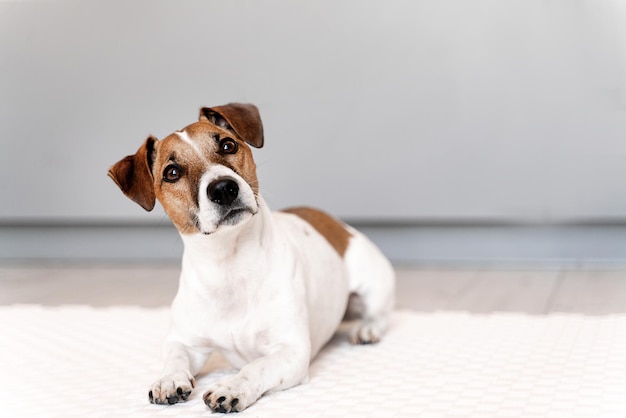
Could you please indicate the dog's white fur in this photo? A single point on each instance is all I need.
(267, 292)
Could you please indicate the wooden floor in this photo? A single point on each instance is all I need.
(594, 292)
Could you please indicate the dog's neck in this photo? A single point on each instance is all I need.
(230, 242)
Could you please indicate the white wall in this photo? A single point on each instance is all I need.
(440, 110)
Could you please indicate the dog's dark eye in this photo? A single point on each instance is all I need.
(228, 146)
(172, 173)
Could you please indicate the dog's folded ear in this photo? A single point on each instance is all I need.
(242, 119)
(133, 175)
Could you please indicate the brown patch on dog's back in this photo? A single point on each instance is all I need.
(335, 233)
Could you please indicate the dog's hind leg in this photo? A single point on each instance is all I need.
(372, 286)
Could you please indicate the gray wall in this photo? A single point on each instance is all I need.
(442, 112)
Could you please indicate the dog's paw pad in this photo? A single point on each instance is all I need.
(171, 389)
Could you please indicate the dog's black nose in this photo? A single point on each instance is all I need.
(223, 191)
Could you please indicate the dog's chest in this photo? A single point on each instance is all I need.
(231, 308)
(286, 285)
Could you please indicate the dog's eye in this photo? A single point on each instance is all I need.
(172, 173)
(228, 146)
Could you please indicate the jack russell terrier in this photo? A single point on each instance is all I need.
(265, 289)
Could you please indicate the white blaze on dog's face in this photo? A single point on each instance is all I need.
(204, 175)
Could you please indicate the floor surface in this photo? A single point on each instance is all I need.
(594, 292)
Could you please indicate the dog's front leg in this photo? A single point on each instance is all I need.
(177, 381)
(285, 367)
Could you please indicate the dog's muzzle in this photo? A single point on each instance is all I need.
(230, 204)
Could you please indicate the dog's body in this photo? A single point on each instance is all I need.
(265, 289)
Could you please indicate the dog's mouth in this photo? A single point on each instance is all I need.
(232, 217)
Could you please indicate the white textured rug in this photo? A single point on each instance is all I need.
(79, 361)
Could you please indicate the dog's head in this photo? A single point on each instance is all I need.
(204, 175)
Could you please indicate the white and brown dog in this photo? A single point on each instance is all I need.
(265, 289)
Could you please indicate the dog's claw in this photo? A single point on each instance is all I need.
(171, 390)
(182, 394)
(221, 404)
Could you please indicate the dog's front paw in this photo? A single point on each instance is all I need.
(171, 389)
(231, 395)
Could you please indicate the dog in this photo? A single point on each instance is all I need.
(265, 289)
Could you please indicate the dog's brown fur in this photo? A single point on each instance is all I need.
(331, 229)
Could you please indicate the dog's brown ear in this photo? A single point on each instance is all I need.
(242, 119)
(133, 175)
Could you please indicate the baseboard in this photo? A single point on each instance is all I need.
(500, 245)
(89, 243)
(504, 245)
